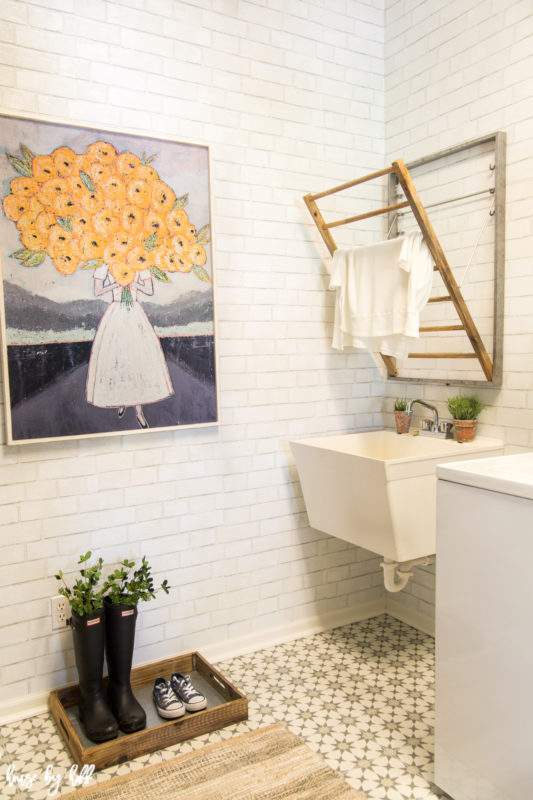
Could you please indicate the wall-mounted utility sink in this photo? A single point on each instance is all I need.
(377, 489)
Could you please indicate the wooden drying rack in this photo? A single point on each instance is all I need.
(454, 295)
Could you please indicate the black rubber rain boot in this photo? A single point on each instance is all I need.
(120, 638)
(88, 637)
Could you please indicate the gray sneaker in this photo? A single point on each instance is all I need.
(166, 701)
(192, 699)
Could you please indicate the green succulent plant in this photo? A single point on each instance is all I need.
(400, 404)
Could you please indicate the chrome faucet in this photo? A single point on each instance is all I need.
(435, 424)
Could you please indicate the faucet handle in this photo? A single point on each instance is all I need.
(446, 427)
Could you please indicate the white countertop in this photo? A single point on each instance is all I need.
(508, 474)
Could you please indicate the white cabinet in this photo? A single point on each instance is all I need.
(484, 629)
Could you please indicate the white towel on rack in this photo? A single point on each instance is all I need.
(381, 289)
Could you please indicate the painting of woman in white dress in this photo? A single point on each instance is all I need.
(107, 307)
(120, 377)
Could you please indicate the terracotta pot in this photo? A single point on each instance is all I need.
(465, 429)
(403, 421)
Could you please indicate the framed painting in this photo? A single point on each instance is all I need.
(107, 307)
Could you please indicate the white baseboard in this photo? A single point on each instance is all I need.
(416, 619)
(295, 630)
(32, 705)
(23, 707)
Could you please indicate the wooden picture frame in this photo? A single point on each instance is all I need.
(107, 307)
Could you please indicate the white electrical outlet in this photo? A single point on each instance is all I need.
(60, 611)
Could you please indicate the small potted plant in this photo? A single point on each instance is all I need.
(402, 417)
(124, 589)
(465, 410)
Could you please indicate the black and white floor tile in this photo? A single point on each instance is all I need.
(361, 695)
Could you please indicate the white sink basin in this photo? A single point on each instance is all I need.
(377, 489)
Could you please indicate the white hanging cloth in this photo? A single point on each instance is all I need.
(380, 290)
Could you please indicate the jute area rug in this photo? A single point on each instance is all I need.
(267, 764)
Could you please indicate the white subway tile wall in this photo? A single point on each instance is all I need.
(290, 98)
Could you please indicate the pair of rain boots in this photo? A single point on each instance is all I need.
(101, 713)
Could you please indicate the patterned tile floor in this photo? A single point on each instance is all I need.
(361, 695)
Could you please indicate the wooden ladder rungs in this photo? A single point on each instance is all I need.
(348, 185)
(368, 214)
(442, 299)
(431, 328)
(441, 355)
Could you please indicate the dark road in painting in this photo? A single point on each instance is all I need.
(61, 409)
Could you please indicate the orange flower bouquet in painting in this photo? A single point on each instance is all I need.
(84, 210)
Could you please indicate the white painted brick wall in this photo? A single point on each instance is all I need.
(456, 71)
(289, 95)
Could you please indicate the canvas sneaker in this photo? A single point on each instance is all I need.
(193, 700)
(166, 701)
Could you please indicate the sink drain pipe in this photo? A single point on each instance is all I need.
(396, 574)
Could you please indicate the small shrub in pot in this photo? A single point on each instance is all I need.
(465, 410)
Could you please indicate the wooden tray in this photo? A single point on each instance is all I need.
(225, 705)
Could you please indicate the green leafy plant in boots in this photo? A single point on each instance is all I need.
(128, 585)
(84, 596)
